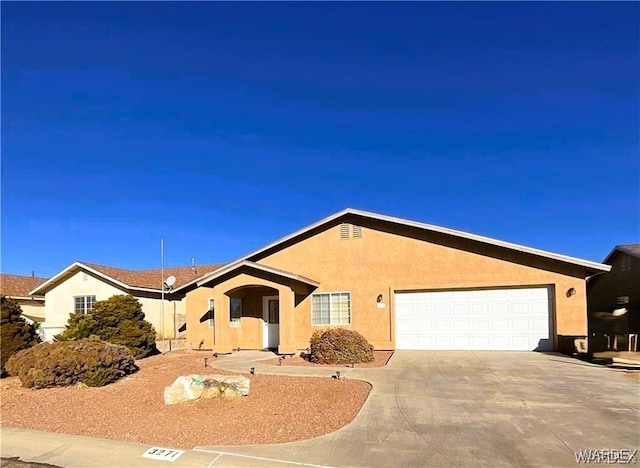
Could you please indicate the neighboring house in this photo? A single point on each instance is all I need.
(618, 289)
(402, 284)
(80, 285)
(18, 287)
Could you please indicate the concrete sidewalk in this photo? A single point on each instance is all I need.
(71, 451)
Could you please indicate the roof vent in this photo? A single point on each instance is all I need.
(357, 231)
(344, 231)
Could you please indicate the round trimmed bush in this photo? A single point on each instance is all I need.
(339, 346)
(90, 361)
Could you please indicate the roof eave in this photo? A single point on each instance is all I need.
(26, 298)
(44, 287)
(589, 265)
(618, 248)
(245, 263)
(487, 240)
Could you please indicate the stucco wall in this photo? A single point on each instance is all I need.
(59, 303)
(384, 262)
(153, 313)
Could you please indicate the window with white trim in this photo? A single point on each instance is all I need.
(235, 312)
(210, 312)
(331, 308)
(83, 304)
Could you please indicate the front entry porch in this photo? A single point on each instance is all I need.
(252, 307)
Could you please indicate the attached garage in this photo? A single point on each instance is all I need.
(516, 319)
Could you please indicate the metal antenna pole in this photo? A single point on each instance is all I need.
(162, 293)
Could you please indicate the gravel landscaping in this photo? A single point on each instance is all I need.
(380, 359)
(278, 408)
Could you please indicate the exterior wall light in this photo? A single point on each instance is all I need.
(379, 298)
(571, 292)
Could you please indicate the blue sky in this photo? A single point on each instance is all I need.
(224, 126)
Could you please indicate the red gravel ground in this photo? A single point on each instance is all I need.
(278, 408)
(380, 359)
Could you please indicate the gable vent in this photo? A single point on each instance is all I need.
(344, 231)
(357, 231)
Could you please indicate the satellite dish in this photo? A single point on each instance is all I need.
(170, 281)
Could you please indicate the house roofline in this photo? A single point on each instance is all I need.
(597, 267)
(81, 266)
(241, 263)
(619, 248)
(483, 239)
(26, 298)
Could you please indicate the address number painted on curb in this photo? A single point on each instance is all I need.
(164, 454)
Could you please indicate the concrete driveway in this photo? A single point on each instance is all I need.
(464, 408)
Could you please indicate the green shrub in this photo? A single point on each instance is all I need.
(60, 364)
(339, 346)
(15, 333)
(118, 320)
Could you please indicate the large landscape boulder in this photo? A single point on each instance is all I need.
(195, 386)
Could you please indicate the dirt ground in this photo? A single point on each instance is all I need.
(278, 408)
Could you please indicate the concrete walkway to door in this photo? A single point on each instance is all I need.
(463, 408)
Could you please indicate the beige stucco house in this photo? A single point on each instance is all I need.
(18, 287)
(402, 284)
(81, 284)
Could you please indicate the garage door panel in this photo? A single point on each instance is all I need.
(461, 326)
(540, 327)
(461, 342)
(442, 326)
(498, 319)
(521, 326)
(479, 327)
(500, 326)
(460, 310)
(478, 342)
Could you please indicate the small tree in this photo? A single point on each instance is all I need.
(118, 320)
(16, 334)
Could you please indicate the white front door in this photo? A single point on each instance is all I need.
(487, 319)
(271, 320)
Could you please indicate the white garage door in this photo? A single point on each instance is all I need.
(488, 319)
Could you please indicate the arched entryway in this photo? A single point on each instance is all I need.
(255, 309)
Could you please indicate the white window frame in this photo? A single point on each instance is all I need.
(334, 317)
(235, 322)
(87, 306)
(210, 310)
